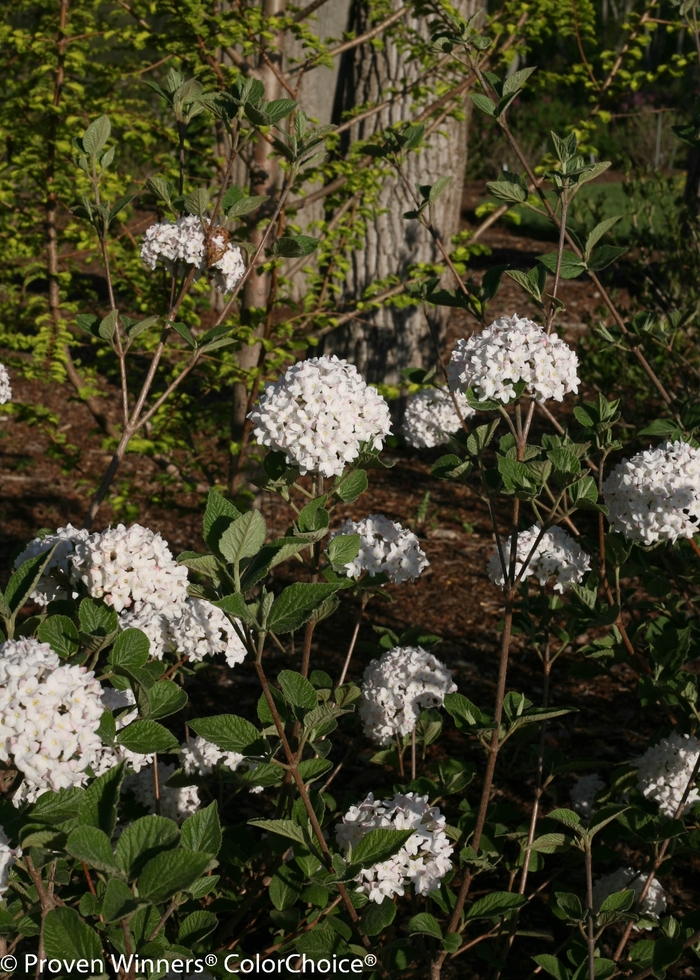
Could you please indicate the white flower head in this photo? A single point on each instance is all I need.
(183, 242)
(431, 417)
(584, 792)
(655, 496)
(130, 566)
(397, 687)
(8, 856)
(5, 386)
(626, 879)
(513, 349)
(556, 556)
(423, 860)
(386, 548)
(49, 715)
(199, 757)
(50, 586)
(320, 413)
(195, 629)
(176, 802)
(664, 771)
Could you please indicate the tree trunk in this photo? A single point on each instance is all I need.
(387, 340)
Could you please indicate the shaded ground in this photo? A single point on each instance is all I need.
(453, 599)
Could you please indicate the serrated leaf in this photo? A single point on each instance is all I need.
(295, 246)
(285, 828)
(296, 605)
(425, 924)
(378, 845)
(185, 333)
(165, 698)
(495, 904)
(202, 831)
(96, 135)
(297, 690)
(61, 634)
(484, 103)
(228, 732)
(244, 537)
(171, 872)
(571, 264)
(91, 845)
(119, 901)
(142, 840)
(67, 937)
(146, 737)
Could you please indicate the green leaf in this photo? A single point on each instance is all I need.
(297, 690)
(92, 846)
(343, 549)
(295, 246)
(185, 333)
(219, 513)
(619, 901)
(452, 942)
(484, 103)
(496, 904)
(284, 828)
(67, 937)
(142, 840)
(96, 618)
(131, 649)
(228, 732)
(146, 737)
(604, 256)
(96, 135)
(426, 924)
(165, 698)
(552, 966)
(235, 605)
(195, 927)
(23, 581)
(243, 538)
(61, 635)
(171, 872)
(285, 888)
(311, 769)
(602, 228)
(659, 427)
(439, 188)
(297, 604)
(509, 187)
(352, 486)
(571, 264)
(378, 845)
(108, 325)
(548, 843)
(314, 516)
(378, 916)
(197, 202)
(55, 808)
(98, 804)
(202, 831)
(119, 901)
(136, 329)
(568, 817)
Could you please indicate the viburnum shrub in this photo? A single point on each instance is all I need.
(124, 841)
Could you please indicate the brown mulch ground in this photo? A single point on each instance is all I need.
(453, 599)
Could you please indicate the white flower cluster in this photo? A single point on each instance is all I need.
(556, 555)
(425, 857)
(397, 687)
(49, 716)
(130, 568)
(8, 856)
(431, 417)
(655, 496)
(625, 879)
(176, 802)
(664, 771)
(513, 349)
(583, 794)
(183, 241)
(49, 586)
(385, 548)
(199, 757)
(5, 386)
(196, 630)
(319, 413)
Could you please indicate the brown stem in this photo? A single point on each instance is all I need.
(590, 937)
(156, 784)
(326, 856)
(659, 858)
(494, 746)
(128, 949)
(353, 640)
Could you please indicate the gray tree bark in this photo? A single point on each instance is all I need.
(390, 339)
